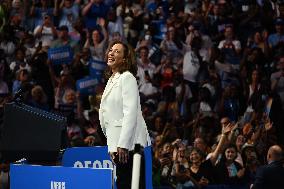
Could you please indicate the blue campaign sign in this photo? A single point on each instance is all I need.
(161, 28)
(56, 177)
(96, 68)
(60, 55)
(87, 85)
(98, 157)
(88, 157)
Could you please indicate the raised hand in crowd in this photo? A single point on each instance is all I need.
(101, 22)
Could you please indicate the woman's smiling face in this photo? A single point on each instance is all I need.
(115, 56)
(230, 154)
(195, 157)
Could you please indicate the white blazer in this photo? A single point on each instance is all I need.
(120, 113)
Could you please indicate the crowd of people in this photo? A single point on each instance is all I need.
(210, 77)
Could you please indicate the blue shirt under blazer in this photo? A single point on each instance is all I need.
(120, 113)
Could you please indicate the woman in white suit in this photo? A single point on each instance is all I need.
(120, 112)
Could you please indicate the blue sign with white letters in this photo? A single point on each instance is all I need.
(96, 69)
(87, 157)
(56, 177)
(98, 157)
(87, 85)
(60, 55)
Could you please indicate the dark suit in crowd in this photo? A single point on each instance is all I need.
(270, 176)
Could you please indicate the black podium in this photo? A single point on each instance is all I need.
(31, 133)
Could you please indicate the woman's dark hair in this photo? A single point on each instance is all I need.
(128, 65)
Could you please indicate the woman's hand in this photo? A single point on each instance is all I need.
(241, 173)
(123, 155)
(228, 128)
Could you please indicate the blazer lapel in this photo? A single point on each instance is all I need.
(111, 82)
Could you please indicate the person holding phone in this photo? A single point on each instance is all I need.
(45, 32)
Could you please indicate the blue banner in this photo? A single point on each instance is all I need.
(87, 157)
(161, 28)
(60, 55)
(97, 68)
(56, 177)
(87, 85)
(98, 157)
